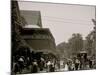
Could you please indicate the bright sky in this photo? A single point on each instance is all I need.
(63, 19)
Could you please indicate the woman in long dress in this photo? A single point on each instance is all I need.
(66, 67)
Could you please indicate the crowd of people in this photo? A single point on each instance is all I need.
(25, 61)
(76, 64)
(32, 65)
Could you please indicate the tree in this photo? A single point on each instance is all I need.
(61, 48)
(91, 40)
(75, 43)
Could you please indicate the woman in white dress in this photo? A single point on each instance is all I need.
(66, 67)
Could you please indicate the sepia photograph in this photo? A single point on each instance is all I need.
(52, 37)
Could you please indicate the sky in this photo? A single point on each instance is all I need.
(63, 19)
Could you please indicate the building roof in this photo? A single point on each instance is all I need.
(32, 17)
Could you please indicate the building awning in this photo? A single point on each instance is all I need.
(31, 26)
(46, 51)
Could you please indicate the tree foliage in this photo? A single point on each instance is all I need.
(74, 45)
(91, 40)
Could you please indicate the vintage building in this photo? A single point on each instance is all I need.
(27, 32)
(40, 39)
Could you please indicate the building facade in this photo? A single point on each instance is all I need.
(27, 31)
